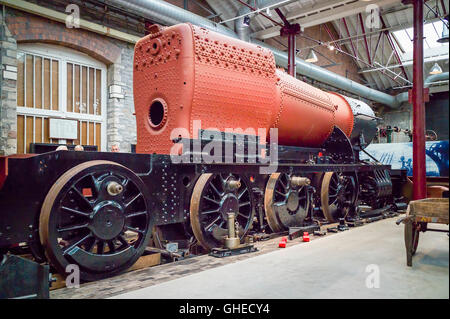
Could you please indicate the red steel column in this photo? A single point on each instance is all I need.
(291, 54)
(419, 173)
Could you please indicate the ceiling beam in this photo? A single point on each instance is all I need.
(319, 14)
(407, 63)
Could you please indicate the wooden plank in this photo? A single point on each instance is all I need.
(47, 84)
(59, 282)
(98, 93)
(77, 88)
(91, 133)
(30, 130)
(83, 133)
(20, 133)
(20, 79)
(29, 81)
(55, 85)
(46, 130)
(38, 130)
(69, 87)
(98, 136)
(38, 82)
(152, 259)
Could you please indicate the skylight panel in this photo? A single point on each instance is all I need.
(431, 32)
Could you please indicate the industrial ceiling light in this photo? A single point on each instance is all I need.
(444, 37)
(331, 47)
(436, 69)
(312, 57)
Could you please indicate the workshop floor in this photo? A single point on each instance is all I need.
(335, 266)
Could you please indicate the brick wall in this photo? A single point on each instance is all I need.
(8, 100)
(28, 28)
(21, 27)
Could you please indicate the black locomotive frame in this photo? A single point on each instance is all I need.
(168, 190)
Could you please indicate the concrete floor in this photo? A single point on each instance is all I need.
(330, 267)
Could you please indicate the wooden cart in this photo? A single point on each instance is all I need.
(418, 215)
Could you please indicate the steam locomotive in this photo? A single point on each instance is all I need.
(219, 129)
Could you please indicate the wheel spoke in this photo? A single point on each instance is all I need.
(210, 211)
(72, 246)
(74, 211)
(74, 227)
(242, 193)
(81, 196)
(95, 182)
(215, 189)
(244, 204)
(211, 200)
(213, 222)
(135, 230)
(282, 184)
(136, 214)
(245, 216)
(132, 201)
(100, 247)
(123, 241)
(91, 245)
(112, 247)
(279, 193)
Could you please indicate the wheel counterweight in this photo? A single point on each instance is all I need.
(83, 222)
(213, 197)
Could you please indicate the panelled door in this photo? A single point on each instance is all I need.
(57, 82)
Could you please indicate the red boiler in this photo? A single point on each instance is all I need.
(185, 73)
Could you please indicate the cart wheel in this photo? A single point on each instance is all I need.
(411, 240)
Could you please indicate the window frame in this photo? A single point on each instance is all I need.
(64, 56)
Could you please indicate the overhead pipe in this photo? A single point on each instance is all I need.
(404, 97)
(242, 30)
(168, 14)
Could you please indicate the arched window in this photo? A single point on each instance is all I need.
(61, 97)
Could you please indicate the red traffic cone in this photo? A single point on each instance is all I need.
(305, 236)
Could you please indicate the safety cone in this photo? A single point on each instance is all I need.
(305, 236)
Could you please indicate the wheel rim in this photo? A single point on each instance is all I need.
(84, 222)
(285, 205)
(338, 195)
(211, 201)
